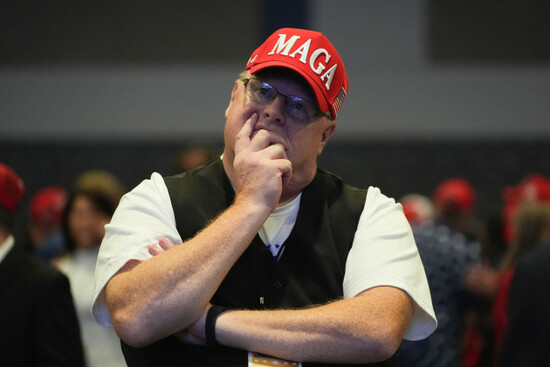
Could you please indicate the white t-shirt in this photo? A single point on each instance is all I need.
(279, 225)
(383, 252)
(101, 344)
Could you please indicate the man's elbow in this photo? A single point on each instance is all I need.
(139, 327)
(387, 346)
(128, 314)
(132, 329)
(379, 346)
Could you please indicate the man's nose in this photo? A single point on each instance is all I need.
(275, 110)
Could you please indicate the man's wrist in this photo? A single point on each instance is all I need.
(210, 324)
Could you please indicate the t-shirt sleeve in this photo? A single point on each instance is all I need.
(143, 216)
(384, 253)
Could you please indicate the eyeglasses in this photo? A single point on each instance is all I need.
(296, 107)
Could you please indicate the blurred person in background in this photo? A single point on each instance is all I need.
(89, 208)
(101, 181)
(523, 226)
(45, 219)
(531, 229)
(491, 239)
(447, 255)
(534, 188)
(479, 336)
(527, 339)
(454, 204)
(38, 322)
(418, 209)
(194, 157)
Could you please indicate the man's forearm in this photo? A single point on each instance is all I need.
(170, 291)
(363, 329)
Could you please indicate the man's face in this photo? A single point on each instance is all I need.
(304, 140)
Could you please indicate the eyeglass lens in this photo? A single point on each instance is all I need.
(296, 107)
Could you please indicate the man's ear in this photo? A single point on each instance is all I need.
(327, 133)
(233, 94)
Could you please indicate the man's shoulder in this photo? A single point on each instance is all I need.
(336, 184)
(205, 190)
(208, 177)
(336, 193)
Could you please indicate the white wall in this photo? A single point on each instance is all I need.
(394, 91)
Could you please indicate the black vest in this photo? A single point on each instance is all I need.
(310, 271)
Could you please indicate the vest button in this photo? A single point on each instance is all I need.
(277, 284)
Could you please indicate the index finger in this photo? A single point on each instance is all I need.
(244, 135)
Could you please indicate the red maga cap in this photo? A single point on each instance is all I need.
(48, 205)
(11, 188)
(454, 194)
(311, 55)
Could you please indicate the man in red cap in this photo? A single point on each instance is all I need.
(277, 257)
(37, 314)
(454, 202)
(534, 188)
(46, 217)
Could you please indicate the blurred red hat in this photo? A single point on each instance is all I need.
(48, 205)
(11, 188)
(534, 188)
(417, 208)
(454, 195)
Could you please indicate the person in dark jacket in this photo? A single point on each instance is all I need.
(37, 315)
(526, 340)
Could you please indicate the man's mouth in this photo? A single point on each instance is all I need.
(278, 138)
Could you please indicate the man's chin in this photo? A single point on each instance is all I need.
(294, 186)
